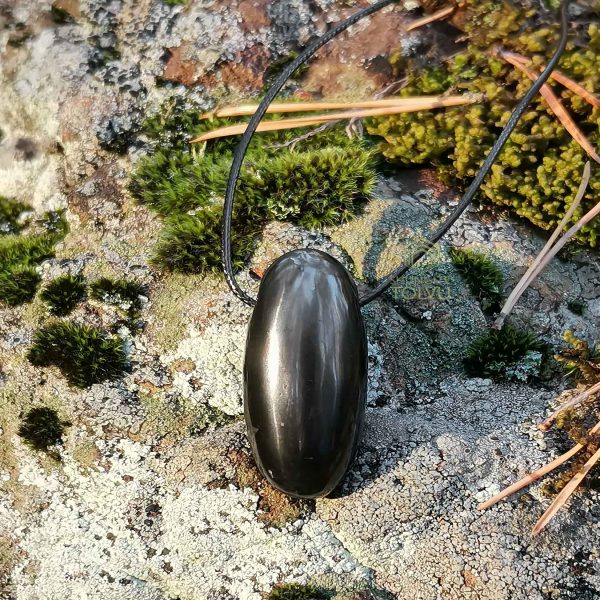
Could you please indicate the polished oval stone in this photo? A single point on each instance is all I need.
(305, 373)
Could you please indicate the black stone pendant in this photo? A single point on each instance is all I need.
(305, 373)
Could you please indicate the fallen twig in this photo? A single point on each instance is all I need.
(556, 106)
(534, 269)
(416, 104)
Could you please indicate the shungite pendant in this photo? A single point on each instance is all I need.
(305, 373)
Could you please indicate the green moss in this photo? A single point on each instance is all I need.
(54, 223)
(10, 213)
(208, 416)
(64, 293)
(191, 243)
(576, 307)
(24, 250)
(580, 360)
(324, 183)
(482, 275)
(539, 170)
(42, 428)
(297, 591)
(85, 355)
(18, 256)
(18, 285)
(497, 353)
(127, 295)
(175, 2)
(20, 253)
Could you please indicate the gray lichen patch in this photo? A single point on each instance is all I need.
(144, 534)
(174, 300)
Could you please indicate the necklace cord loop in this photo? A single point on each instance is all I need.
(469, 195)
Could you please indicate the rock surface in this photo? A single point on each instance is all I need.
(148, 499)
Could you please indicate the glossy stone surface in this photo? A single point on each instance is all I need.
(305, 373)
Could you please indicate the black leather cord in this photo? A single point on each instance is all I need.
(466, 200)
(242, 147)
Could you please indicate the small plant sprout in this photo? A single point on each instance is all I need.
(551, 249)
(85, 355)
(125, 295)
(42, 428)
(297, 591)
(496, 353)
(484, 278)
(64, 293)
(580, 360)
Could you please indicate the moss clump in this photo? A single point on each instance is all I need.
(19, 280)
(64, 293)
(496, 354)
(484, 278)
(10, 213)
(19, 254)
(18, 285)
(583, 363)
(297, 591)
(54, 223)
(576, 307)
(580, 360)
(538, 172)
(325, 183)
(42, 428)
(118, 292)
(191, 243)
(85, 355)
(18, 251)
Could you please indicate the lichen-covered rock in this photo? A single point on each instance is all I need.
(150, 492)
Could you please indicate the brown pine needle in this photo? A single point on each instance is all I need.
(529, 479)
(436, 16)
(557, 108)
(565, 494)
(531, 273)
(417, 104)
(294, 107)
(562, 79)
